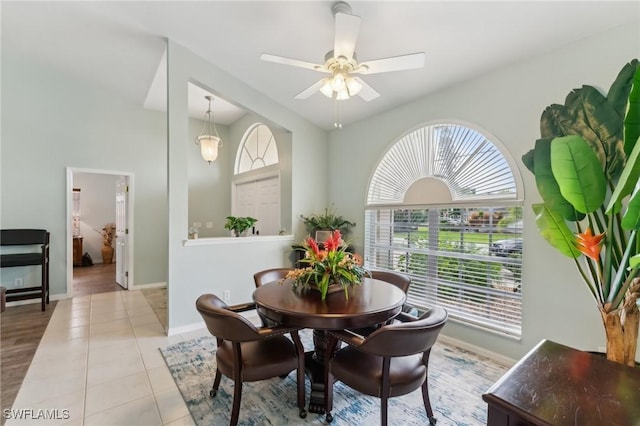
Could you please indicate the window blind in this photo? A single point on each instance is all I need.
(467, 260)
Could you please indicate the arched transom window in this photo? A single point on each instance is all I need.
(257, 149)
(444, 206)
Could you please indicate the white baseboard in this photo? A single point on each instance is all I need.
(250, 315)
(186, 328)
(36, 300)
(150, 285)
(501, 359)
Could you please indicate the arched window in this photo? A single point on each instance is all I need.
(258, 194)
(257, 149)
(444, 205)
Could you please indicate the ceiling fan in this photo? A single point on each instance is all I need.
(341, 62)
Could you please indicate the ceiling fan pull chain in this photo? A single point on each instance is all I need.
(336, 113)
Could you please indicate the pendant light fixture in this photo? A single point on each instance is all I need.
(208, 140)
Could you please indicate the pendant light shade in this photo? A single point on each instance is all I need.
(209, 147)
(209, 140)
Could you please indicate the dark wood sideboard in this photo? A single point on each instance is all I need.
(561, 386)
(77, 251)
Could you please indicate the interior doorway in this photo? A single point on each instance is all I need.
(100, 231)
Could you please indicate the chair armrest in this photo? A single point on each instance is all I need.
(242, 307)
(348, 337)
(275, 330)
(405, 317)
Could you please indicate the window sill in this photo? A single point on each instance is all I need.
(237, 240)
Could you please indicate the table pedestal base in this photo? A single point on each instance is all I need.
(315, 373)
(314, 366)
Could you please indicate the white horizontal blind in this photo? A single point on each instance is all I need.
(469, 164)
(455, 260)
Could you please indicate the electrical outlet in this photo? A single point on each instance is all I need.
(209, 224)
(197, 224)
(18, 282)
(226, 295)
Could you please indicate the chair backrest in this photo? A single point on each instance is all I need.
(17, 237)
(223, 323)
(269, 275)
(401, 281)
(406, 338)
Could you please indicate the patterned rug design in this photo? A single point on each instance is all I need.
(457, 380)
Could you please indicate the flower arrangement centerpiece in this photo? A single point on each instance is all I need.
(327, 265)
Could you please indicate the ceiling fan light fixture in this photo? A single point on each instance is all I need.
(209, 140)
(326, 88)
(342, 95)
(338, 82)
(353, 86)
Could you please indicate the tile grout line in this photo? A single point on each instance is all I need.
(146, 370)
(86, 370)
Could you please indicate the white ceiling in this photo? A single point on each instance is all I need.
(120, 44)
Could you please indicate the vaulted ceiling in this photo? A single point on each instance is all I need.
(120, 44)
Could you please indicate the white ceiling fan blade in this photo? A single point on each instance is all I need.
(395, 63)
(293, 62)
(367, 92)
(310, 90)
(346, 34)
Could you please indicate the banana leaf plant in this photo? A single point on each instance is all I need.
(587, 169)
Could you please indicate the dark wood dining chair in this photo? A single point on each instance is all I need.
(399, 280)
(390, 362)
(246, 353)
(267, 276)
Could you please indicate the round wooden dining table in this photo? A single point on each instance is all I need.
(373, 302)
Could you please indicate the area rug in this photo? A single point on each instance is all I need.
(457, 380)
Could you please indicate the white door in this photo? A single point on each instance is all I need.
(246, 200)
(122, 191)
(260, 199)
(268, 196)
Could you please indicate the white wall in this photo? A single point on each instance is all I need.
(51, 121)
(507, 103)
(97, 208)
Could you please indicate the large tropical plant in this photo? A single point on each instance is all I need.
(586, 166)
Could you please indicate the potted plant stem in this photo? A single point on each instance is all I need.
(586, 167)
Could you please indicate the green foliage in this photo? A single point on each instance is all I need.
(328, 220)
(472, 272)
(585, 165)
(239, 224)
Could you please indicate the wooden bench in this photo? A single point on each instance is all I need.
(27, 237)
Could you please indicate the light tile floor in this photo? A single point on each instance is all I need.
(99, 359)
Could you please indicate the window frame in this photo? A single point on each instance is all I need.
(418, 292)
(243, 150)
